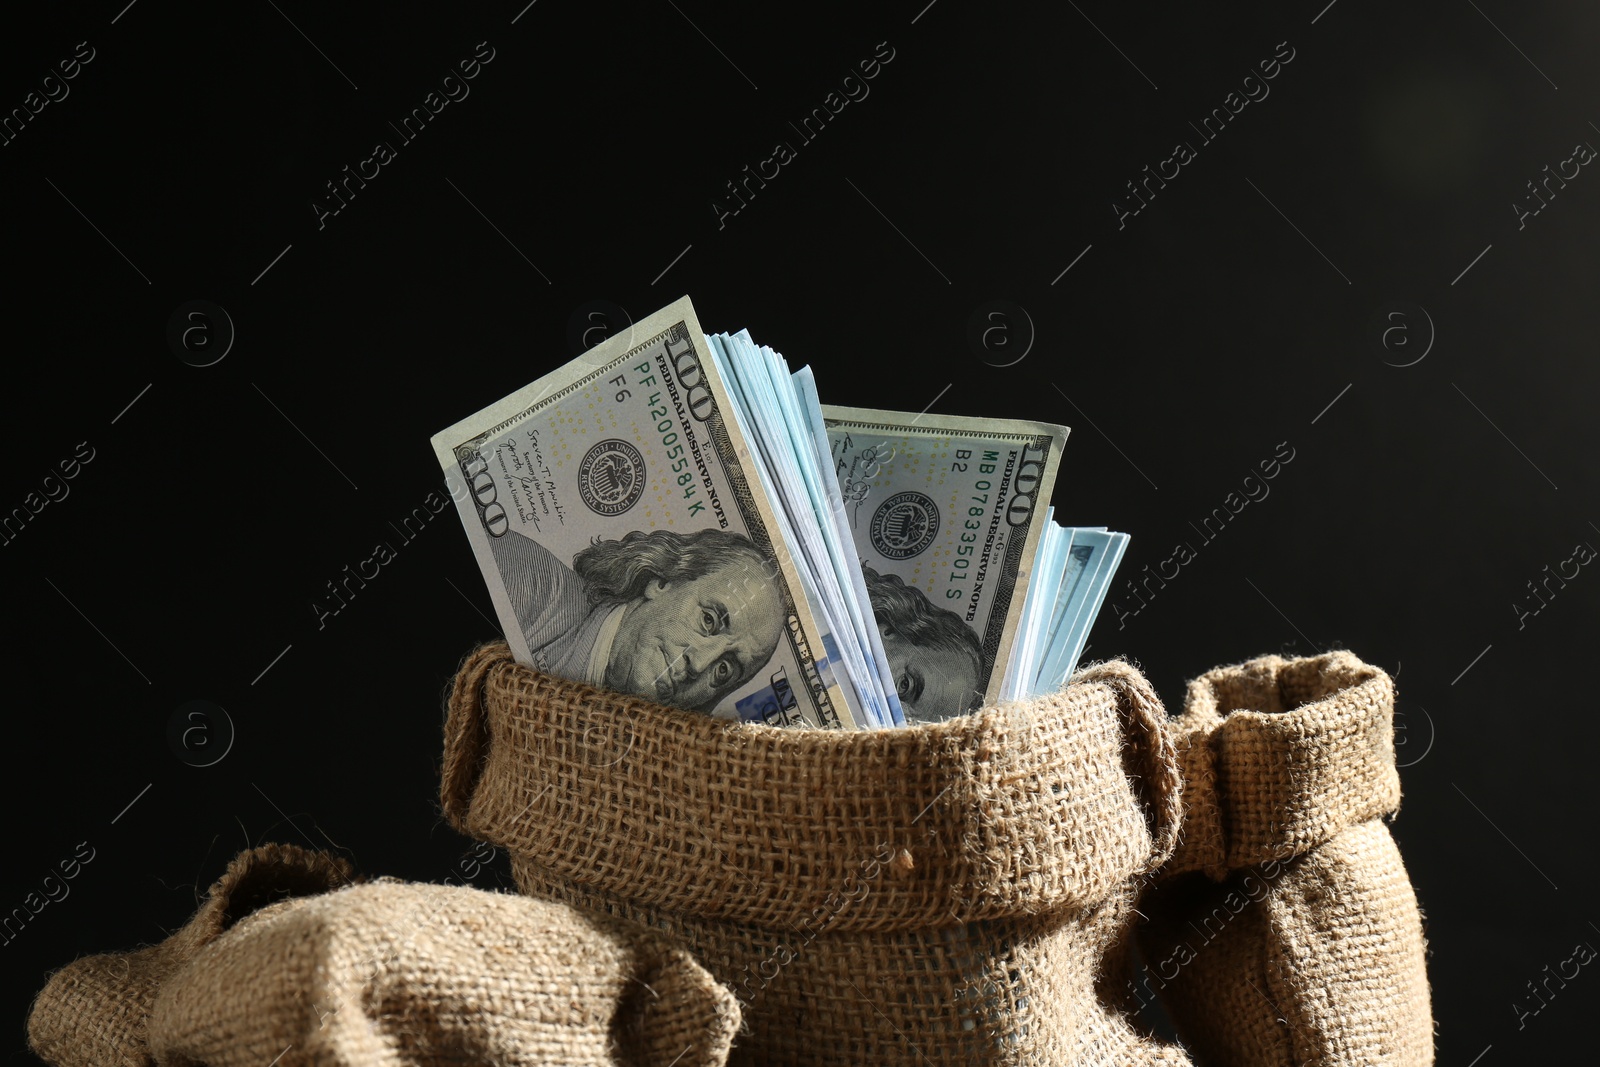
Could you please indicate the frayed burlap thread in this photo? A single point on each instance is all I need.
(395, 974)
(1284, 931)
(939, 894)
(94, 1011)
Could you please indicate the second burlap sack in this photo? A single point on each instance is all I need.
(396, 974)
(945, 894)
(95, 1011)
(1284, 931)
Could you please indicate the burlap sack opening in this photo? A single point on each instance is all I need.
(392, 974)
(94, 1011)
(1284, 932)
(937, 894)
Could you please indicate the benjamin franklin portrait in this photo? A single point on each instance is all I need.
(683, 619)
(934, 656)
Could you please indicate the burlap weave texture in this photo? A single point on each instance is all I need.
(94, 1012)
(393, 974)
(1284, 931)
(945, 893)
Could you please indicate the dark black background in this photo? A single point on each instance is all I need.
(1182, 349)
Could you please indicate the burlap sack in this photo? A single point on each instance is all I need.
(394, 974)
(937, 894)
(93, 1012)
(1284, 931)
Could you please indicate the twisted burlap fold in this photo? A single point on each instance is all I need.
(392, 974)
(1284, 932)
(94, 1011)
(946, 893)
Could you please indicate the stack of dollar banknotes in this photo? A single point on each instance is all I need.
(677, 516)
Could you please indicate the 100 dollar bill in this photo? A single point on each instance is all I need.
(624, 543)
(946, 514)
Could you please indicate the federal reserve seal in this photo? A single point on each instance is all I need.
(611, 477)
(904, 525)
